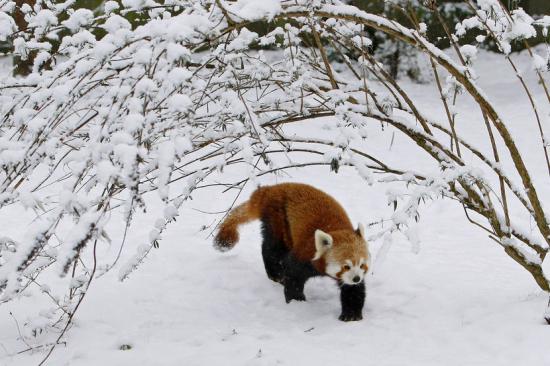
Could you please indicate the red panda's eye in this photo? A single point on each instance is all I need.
(346, 267)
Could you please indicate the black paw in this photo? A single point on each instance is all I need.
(350, 317)
(297, 297)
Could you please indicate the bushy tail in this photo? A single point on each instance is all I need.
(228, 234)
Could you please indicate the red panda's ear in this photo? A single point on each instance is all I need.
(323, 242)
(361, 231)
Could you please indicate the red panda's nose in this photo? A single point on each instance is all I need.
(356, 279)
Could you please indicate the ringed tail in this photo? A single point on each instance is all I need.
(228, 233)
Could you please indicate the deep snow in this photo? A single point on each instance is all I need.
(459, 301)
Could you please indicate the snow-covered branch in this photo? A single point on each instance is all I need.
(126, 113)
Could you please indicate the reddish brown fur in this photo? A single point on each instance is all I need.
(228, 235)
(294, 211)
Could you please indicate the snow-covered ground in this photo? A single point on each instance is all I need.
(458, 301)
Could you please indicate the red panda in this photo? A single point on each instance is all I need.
(306, 233)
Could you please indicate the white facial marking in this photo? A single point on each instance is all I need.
(332, 269)
(355, 272)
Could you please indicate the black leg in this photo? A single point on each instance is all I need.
(294, 289)
(273, 253)
(296, 274)
(352, 298)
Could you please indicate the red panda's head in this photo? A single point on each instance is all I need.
(345, 253)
